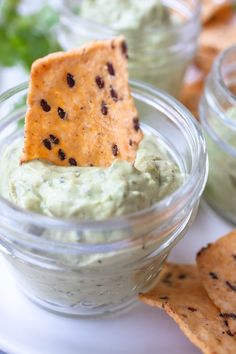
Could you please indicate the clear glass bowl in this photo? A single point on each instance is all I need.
(95, 279)
(158, 56)
(218, 118)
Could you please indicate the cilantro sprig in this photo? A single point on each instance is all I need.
(24, 38)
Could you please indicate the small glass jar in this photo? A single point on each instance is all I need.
(218, 118)
(158, 56)
(94, 279)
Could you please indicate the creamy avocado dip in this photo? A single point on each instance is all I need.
(108, 279)
(97, 280)
(91, 193)
(151, 31)
(128, 15)
(221, 185)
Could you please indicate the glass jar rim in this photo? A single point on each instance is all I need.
(191, 186)
(102, 31)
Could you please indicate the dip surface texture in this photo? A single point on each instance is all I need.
(151, 31)
(90, 193)
(125, 14)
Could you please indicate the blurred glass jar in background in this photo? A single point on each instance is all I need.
(26, 34)
(161, 34)
(218, 117)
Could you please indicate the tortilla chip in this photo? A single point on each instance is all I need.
(80, 108)
(217, 268)
(181, 294)
(232, 88)
(213, 40)
(214, 11)
(205, 59)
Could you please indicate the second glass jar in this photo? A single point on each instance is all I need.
(218, 117)
(158, 55)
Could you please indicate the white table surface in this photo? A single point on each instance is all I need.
(27, 329)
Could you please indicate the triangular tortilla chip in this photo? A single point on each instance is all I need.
(80, 108)
(213, 40)
(181, 294)
(216, 11)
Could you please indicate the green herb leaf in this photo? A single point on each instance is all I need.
(26, 38)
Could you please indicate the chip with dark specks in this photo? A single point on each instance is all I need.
(190, 307)
(91, 107)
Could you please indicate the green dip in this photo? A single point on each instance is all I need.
(97, 281)
(125, 15)
(221, 185)
(151, 31)
(90, 193)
